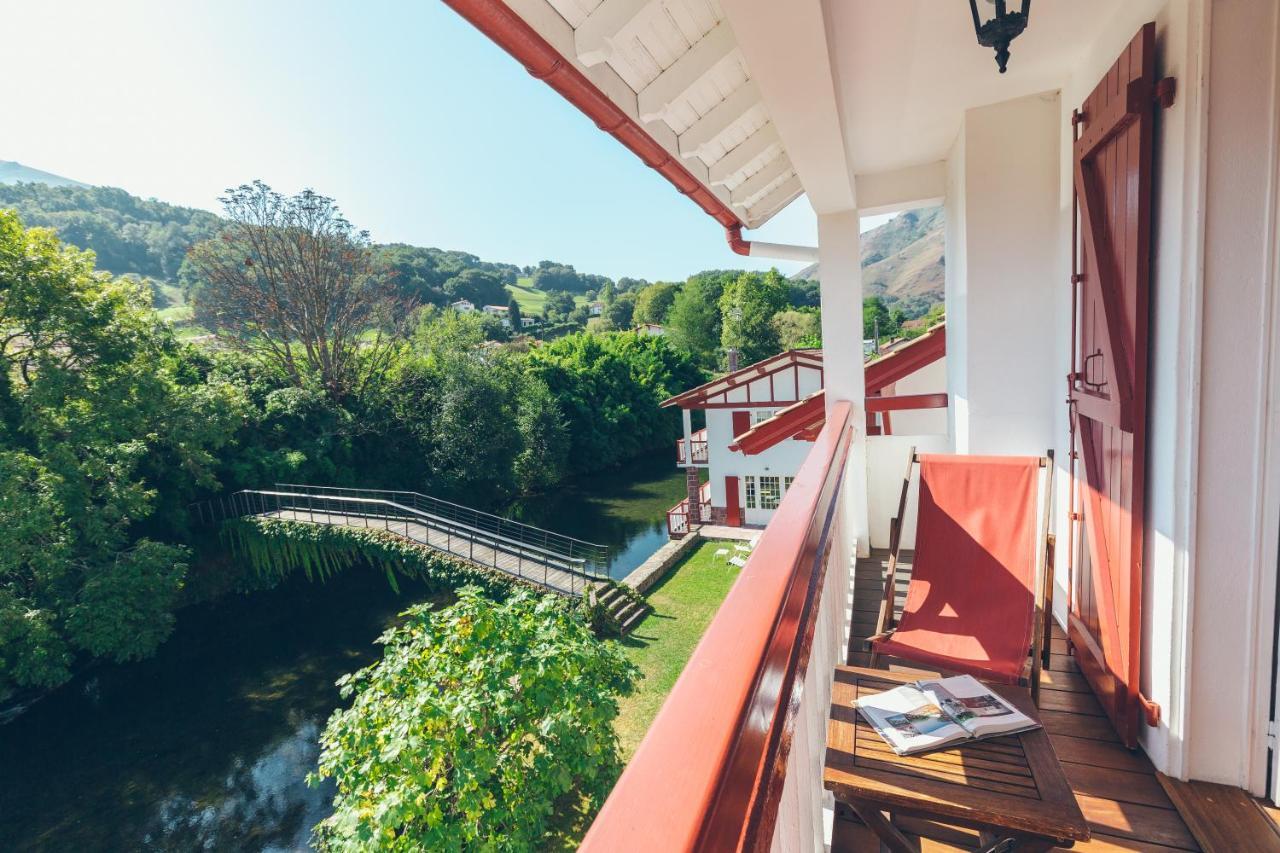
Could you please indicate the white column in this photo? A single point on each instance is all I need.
(839, 252)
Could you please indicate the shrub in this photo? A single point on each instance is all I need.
(479, 718)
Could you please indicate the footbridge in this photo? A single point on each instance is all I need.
(541, 557)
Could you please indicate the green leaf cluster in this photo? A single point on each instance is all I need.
(478, 723)
(609, 388)
(96, 414)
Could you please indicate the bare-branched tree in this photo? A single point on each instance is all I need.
(291, 281)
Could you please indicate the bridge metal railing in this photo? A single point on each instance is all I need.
(533, 554)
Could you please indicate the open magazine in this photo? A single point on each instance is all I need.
(934, 713)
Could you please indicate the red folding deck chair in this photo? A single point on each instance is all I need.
(982, 571)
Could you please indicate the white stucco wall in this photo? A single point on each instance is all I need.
(930, 379)
(781, 460)
(1002, 372)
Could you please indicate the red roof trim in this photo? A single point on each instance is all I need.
(801, 420)
(509, 31)
(769, 366)
(906, 359)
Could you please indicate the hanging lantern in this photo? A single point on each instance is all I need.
(1000, 30)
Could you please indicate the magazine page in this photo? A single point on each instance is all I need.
(909, 720)
(979, 709)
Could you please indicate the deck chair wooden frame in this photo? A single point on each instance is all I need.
(1042, 625)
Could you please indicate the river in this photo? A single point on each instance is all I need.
(206, 745)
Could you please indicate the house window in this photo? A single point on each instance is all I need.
(762, 415)
(786, 484)
(751, 492)
(770, 492)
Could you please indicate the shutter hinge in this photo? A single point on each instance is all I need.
(1271, 734)
(1077, 278)
(1077, 116)
(1165, 91)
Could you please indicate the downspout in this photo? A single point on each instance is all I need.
(774, 251)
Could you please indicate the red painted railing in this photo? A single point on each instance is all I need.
(698, 441)
(710, 773)
(882, 406)
(678, 515)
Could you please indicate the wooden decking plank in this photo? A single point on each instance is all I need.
(1063, 663)
(1222, 818)
(1139, 822)
(1099, 754)
(1069, 702)
(1077, 725)
(1072, 682)
(1123, 786)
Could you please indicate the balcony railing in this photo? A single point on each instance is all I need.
(882, 406)
(698, 441)
(735, 754)
(678, 515)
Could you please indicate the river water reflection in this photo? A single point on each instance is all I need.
(206, 746)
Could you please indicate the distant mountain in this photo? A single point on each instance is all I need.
(902, 261)
(12, 172)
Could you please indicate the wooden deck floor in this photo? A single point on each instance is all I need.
(1117, 789)
(507, 561)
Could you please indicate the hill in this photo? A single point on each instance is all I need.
(13, 172)
(129, 234)
(150, 238)
(902, 261)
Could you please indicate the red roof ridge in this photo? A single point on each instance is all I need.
(764, 367)
(798, 420)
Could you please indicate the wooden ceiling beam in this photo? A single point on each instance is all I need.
(595, 38)
(657, 99)
(778, 198)
(721, 117)
(727, 167)
(747, 191)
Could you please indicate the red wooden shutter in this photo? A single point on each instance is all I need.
(1109, 381)
(733, 503)
(741, 423)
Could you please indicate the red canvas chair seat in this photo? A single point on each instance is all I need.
(971, 603)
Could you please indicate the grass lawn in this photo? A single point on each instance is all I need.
(683, 604)
(530, 300)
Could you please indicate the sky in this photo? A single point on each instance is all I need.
(423, 130)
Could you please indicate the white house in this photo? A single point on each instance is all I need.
(653, 330)
(499, 311)
(463, 306)
(596, 308)
(526, 322)
(761, 421)
(1112, 245)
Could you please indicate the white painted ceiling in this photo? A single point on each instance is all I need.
(680, 60)
(906, 70)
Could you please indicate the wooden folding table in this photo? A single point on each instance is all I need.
(1010, 789)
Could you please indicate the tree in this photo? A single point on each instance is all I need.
(94, 414)
(559, 304)
(478, 719)
(550, 276)
(293, 283)
(609, 387)
(798, 329)
(620, 311)
(748, 306)
(514, 316)
(876, 317)
(693, 323)
(480, 287)
(654, 302)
